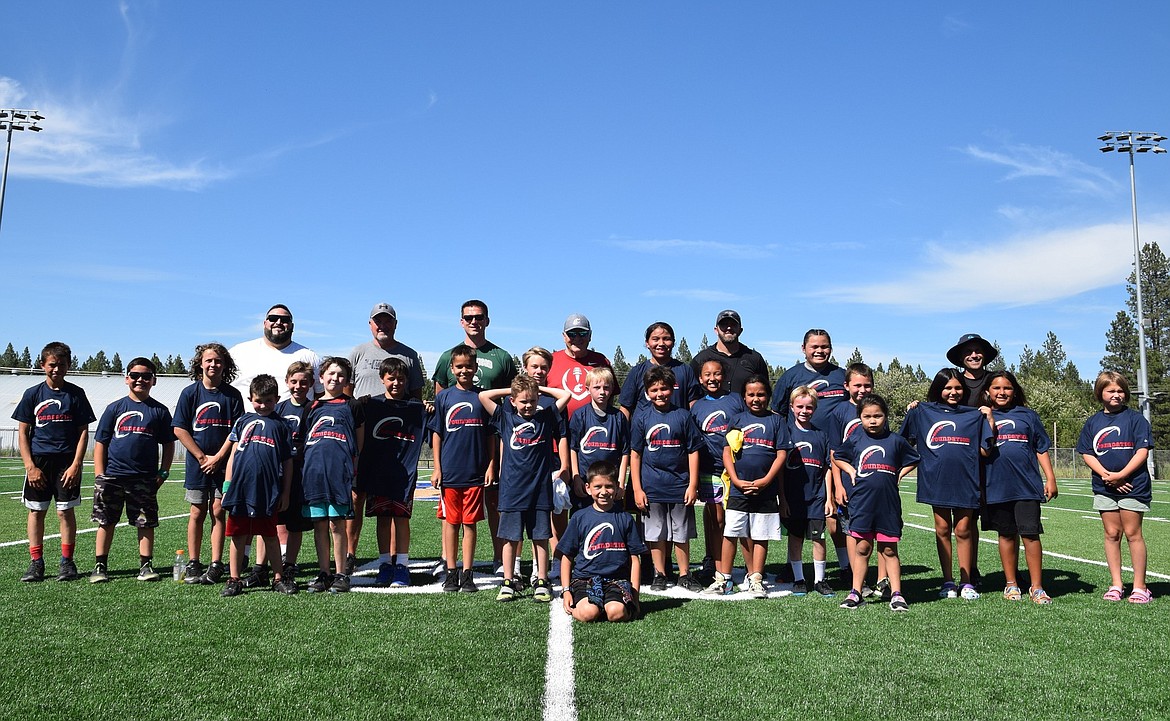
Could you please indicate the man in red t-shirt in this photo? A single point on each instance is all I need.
(570, 365)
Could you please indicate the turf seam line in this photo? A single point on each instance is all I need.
(558, 702)
(80, 531)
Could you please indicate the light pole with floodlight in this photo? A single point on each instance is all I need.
(14, 119)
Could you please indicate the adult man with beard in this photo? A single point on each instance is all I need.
(739, 362)
(273, 353)
(367, 358)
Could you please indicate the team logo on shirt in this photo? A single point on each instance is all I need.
(594, 546)
(796, 457)
(715, 423)
(1102, 444)
(872, 460)
(596, 438)
(384, 430)
(125, 424)
(761, 440)
(821, 386)
(850, 426)
(1005, 432)
(524, 435)
(936, 438)
(252, 434)
(44, 414)
(575, 386)
(459, 415)
(207, 416)
(322, 430)
(658, 437)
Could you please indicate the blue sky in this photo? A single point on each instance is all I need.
(897, 173)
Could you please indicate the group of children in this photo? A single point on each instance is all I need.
(630, 476)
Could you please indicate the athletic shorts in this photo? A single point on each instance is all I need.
(1109, 503)
(1013, 518)
(138, 494)
(748, 524)
(53, 468)
(202, 496)
(810, 528)
(670, 522)
(875, 536)
(323, 511)
(292, 518)
(600, 590)
(712, 489)
(461, 506)
(386, 507)
(515, 524)
(241, 525)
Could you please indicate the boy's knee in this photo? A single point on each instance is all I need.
(617, 611)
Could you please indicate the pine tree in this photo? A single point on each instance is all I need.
(116, 364)
(641, 359)
(683, 352)
(26, 360)
(997, 364)
(10, 359)
(1121, 346)
(855, 357)
(621, 367)
(703, 343)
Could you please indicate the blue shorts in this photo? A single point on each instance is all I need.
(514, 524)
(325, 511)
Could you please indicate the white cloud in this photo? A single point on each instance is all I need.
(1019, 271)
(92, 142)
(694, 294)
(1027, 161)
(695, 247)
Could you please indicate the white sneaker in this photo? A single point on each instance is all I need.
(756, 586)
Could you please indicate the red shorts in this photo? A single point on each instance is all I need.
(263, 526)
(461, 506)
(875, 536)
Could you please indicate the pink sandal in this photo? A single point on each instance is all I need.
(1140, 595)
(1114, 593)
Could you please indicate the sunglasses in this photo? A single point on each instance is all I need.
(140, 376)
(474, 318)
(286, 319)
(577, 333)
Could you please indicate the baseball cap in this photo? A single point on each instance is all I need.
(576, 321)
(383, 308)
(725, 314)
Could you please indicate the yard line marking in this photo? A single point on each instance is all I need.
(1062, 556)
(558, 702)
(80, 531)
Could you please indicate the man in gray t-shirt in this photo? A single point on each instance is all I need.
(368, 357)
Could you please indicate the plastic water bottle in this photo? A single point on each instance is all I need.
(180, 565)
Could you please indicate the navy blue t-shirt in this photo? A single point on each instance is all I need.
(57, 417)
(829, 387)
(132, 432)
(948, 439)
(293, 415)
(462, 425)
(394, 432)
(1114, 439)
(527, 462)
(208, 415)
(874, 502)
(330, 442)
(1012, 473)
(686, 386)
(263, 444)
(804, 471)
(665, 440)
(714, 418)
(841, 424)
(763, 438)
(598, 438)
(601, 543)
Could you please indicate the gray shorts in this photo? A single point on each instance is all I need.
(202, 496)
(671, 522)
(1108, 503)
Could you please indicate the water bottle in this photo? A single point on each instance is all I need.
(180, 565)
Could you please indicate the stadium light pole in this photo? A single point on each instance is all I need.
(1131, 142)
(12, 119)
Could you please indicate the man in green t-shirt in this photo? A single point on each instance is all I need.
(496, 366)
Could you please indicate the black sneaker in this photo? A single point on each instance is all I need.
(289, 571)
(507, 590)
(350, 564)
(257, 578)
(541, 591)
(852, 601)
(897, 603)
(882, 589)
(320, 584)
(659, 582)
(690, 583)
(233, 587)
(67, 570)
(213, 574)
(147, 572)
(451, 582)
(286, 585)
(340, 584)
(467, 582)
(822, 587)
(100, 574)
(35, 572)
(194, 572)
(799, 588)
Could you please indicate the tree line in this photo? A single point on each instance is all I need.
(96, 363)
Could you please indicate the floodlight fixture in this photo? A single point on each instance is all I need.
(15, 119)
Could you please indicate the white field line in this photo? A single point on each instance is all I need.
(558, 702)
(1049, 507)
(80, 531)
(1063, 556)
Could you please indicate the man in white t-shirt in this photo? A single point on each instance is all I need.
(273, 353)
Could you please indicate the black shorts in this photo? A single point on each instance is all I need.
(138, 494)
(1014, 518)
(291, 518)
(600, 591)
(53, 468)
(811, 528)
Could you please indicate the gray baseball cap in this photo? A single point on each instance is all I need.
(576, 321)
(383, 308)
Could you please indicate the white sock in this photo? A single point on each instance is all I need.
(516, 569)
(403, 559)
(818, 571)
(283, 550)
(797, 569)
(383, 558)
(842, 556)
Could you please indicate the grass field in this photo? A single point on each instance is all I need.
(168, 651)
